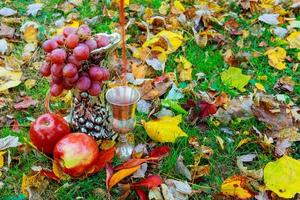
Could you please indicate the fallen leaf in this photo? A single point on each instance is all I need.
(150, 182)
(260, 87)
(236, 186)
(141, 172)
(33, 9)
(285, 83)
(271, 19)
(165, 129)
(143, 106)
(276, 57)
(243, 141)
(25, 103)
(30, 31)
(155, 194)
(174, 93)
(161, 151)
(184, 68)
(2, 158)
(37, 180)
(58, 171)
(182, 169)
(134, 162)
(9, 79)
(221, 142)
(120, 175)
(8, 142)
(6, 12)
(105, 156)
(198, 171)
(256, 174)
(6, 31)
(294, 40)
(287, 170)
(141, 194)
(30, 83)
(3, 46)
(174, 106)
(233, 77)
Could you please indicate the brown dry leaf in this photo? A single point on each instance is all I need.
(182, 169)
(152, 89)
(139, 70)
(275, 115)
(256, 174)
(221, 100)
(26, 102)
(184, 68)
(236, 186)
(120, 175)
(285, 83)
(36, 180)
(6, 31)
(199, 171)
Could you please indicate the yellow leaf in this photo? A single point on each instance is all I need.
(2, 158)
(178, 5)
(165, 129)
(294, 40)
(57, 170)
(234, 77)
(172, 40)
(242, 142)
(73, 23)
(164, 8)
(36, 180)
(235, 186)
(221, 142)
(283, 176)
(184, 68)
(9, 79)
(120, 175)
(29, 83)
(260, 87)
(117, 2)
(276, 57)
(30, 34)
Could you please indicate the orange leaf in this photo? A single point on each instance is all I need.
(134, 162)
(120, 175)
(236, 186)
(105, 156)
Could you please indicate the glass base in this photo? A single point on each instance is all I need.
(124, 149)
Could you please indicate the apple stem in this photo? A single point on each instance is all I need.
(47, 102)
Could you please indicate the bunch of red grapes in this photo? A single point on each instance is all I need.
(65, 57)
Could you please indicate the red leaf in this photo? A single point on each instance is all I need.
(134, 162)
(150, 182)
(206, 108)
(141, 194)
(15, 126)
(27, 102)
(109, 172)
(50, 174)
(161, 79)
(161, 151)
(105, 157)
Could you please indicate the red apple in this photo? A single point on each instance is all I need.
(47, 130)
(76, 154)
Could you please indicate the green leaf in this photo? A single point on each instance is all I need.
(173, 105)
(233, 77)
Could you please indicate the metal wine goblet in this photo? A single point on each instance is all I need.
(123, 101)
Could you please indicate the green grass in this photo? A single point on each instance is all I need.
(208, 60)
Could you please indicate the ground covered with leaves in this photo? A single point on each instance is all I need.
(219, 80)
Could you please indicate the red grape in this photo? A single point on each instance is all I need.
(81, 52)
(57, 70)
(95, 89)
(58, 56)
(48, 57)
(56, 89)
(105, 74)
(67, 85)
(49, 45)
(92, 44)
(72, 41)
(84, 31)
(45, 69)
(68, 30)
(74, 61)
(72, 80)
(60, 40)
(69, 70)
(56, 79)
(102, 41)
(83, 83)
(96, 73)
